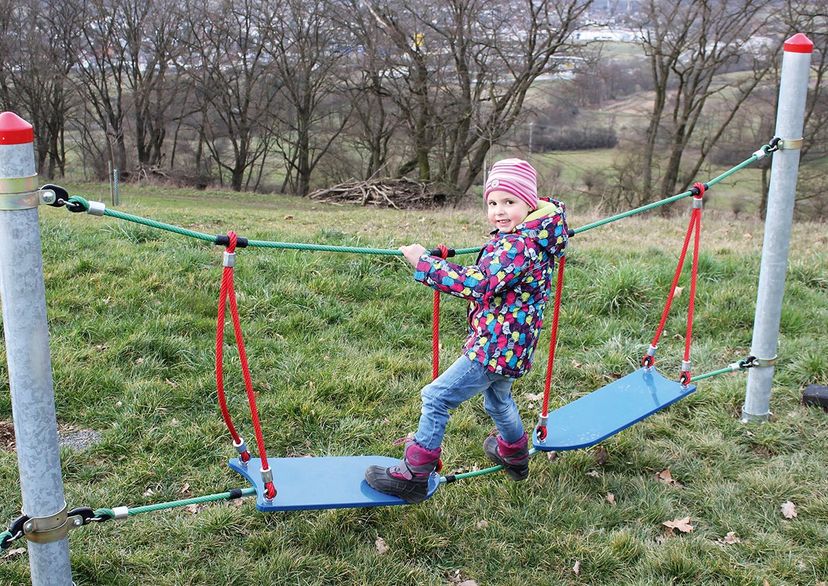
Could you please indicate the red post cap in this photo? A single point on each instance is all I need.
(14, 130)
(799, 43)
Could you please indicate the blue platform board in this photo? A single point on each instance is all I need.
(605, 412)
(328, 482)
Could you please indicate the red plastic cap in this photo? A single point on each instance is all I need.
(799, 43)
(14, 130)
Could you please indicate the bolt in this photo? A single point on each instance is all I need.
(28, 527)
(78, 522)
(47, 197)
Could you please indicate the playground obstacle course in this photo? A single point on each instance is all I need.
(45, 522)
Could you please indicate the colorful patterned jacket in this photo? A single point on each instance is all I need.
(507, 288)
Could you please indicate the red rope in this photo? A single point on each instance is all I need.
(230, 294)
(553, 342)
(697, 215)
(435, 325)
(650, 360)
(226, 280)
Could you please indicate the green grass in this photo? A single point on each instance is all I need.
(339, 346)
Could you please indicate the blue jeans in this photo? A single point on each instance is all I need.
(461, 381)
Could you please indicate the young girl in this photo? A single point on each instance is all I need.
(507, 289)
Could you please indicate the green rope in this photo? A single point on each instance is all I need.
(222, 496)
(753, 158)
(714, 373)
(391, 252)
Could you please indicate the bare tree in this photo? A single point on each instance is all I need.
(307, 55)
(376, 116)
(233, 79)
(467, 66)
(37, 53)
(102, 70)
(689, 44)
(150, 29)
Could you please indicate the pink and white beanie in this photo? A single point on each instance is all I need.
(514, 176)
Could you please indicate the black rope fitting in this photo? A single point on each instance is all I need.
(16, 531)
(439, 253)
(224, 240)
(85, 513)
(75, 207)
(570, 232)
(236, 493)
(774, 144)
(61, 195)
(450, 478)
(748, 362)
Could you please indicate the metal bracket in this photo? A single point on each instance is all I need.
(765, 362)
(791, 144)
(19, 193)
(52, 528)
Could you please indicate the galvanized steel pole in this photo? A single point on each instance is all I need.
(23, 297)
(790, 119)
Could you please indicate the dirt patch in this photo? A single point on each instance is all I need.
(69, 436)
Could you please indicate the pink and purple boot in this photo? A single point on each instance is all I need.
(513, 457)
(408, 479)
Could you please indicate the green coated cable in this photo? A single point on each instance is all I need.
(181, 503)
(753, 158)
(390, 252)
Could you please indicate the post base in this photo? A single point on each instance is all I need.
(754, 418)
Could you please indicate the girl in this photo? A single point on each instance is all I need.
(507, 289)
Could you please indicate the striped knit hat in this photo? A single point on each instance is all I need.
(514, 176)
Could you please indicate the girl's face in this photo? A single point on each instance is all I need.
(505, 211)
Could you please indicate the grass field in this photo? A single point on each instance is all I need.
(339, 346)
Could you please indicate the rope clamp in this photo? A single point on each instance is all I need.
(791, 144)
(51, 528)
(229, 259)
(764, 362)
(96, 208)
(19, 193)
(120, 513)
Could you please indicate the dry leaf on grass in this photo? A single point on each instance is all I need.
(533, 396)
(601, 455)
(729, 539)
(682, 525)
(594, 474)
(788, 510)
(577, 568)
(468, 583)
(551, 455)
(185, 489)
(678, 292)
(610, 498)
(13, 553)
(482, 524)
(666, 477)
(381, 546)
(194, 509)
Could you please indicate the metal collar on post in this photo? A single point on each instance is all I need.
(19, 193)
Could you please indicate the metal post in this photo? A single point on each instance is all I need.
(111, 187)
(790, 117)
(116, 196)
(23, 296)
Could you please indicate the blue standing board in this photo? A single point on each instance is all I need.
(328, 482)
(605, 412)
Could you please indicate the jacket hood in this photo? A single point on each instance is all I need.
(547, 224)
